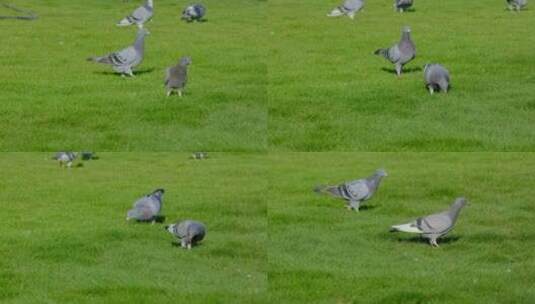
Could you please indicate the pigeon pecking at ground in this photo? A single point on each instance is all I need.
(177, 76)
(189, 232)
(65, 158)
(124, 60)
(355, 192)
(141, 15)
(348, 8)
(436, 78)
(199, 155)
(402, 5)
(516, 5)
(147, 208)
(401, 53)
(194, 12)
(436, 225)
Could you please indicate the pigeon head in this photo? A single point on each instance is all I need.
(185, 60)
(460, 202)
(143, 32)
(158, 192)
(381, 172)
(406, 29)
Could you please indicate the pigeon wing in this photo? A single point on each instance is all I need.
(436, 223)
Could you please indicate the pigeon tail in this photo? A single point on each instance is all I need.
(125, 22)
(326, 189)
(405, 228)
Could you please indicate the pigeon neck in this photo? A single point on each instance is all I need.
(454, 211)
(140, 42)
(149, 3)
(375, 180)
(406, 36)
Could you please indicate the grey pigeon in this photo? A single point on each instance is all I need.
(189, 232)
(194, 12)
(435, 225)
(199, 155)
(436, 77)
(177, 76)
(516, 4)
(140, 15)
(348, 8)
(401, 53)
(357, 191)
(65, 158)
(402, 5)
(148, 207)
(124, 60)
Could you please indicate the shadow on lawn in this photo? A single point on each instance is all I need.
(418, 239)
(404, 71)
(136, 72)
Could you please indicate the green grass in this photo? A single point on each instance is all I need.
(328, 92)
(65, 238)
(321, 253)
(52, 99)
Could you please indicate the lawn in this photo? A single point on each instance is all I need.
(321, 253)
(53, 99)
(65, 238)
(328, 92)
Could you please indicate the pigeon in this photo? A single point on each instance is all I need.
(402, 5)
(436, 77)
(124, 60)
(141, 15)
(436, 225)
(189, 232)
(177, 76)
(401, 53)
(148, 207)
(194, 12)
(357, 191)
(199, 155)
(65, 158)
(516, 4)
(349, 8)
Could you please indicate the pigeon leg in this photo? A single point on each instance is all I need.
(351, 15)
(169, 93)
(398, 69)
(183, 243)
(431, 91)
(189, 246)
(433, 242)
(131, 74)
(179, 93)
(355, 205)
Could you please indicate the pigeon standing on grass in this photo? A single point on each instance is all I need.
(177, 76)
(436, 225)
(189, 232)
(148, 207)
(436, 77)
(516, 5)
(194, 12)
(402, 5)
(141, 15)
(124, 60)
(349, 8)
(65, 158)
(401, 53)
(355, 192)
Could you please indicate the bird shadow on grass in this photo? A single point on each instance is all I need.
(160, 219)
(367, 207)
(418, 239)
(136, 73)
(179, 245)
(404, 71)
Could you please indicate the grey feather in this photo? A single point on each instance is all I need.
(436, 78)
(348, 8)
(402, 5)
(194, 12)
(435, 225)
(125, 60)
(140, 15)
(402, 52)
(177, 76)
(148, 207)
(355, 192)
(189, 232)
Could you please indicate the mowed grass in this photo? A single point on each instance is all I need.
(65, 238)
(321, 253)
(52, 99)
(327, 91)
